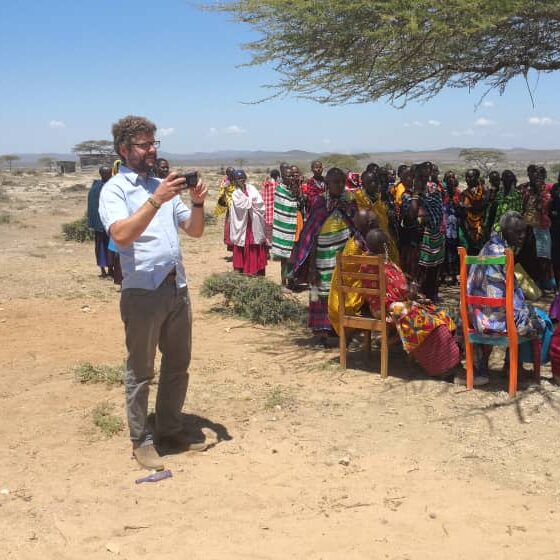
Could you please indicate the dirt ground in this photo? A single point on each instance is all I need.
(311, 462)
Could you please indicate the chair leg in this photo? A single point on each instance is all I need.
(367, 343)
(536, 346)
(469, 365)
(513, 359)
(342, 344)
(384, 354)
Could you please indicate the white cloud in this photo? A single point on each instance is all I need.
(326, 140)
(413, 123)
(541, 121)
(166, 131)
(482, 121)
(433, 122)
(232, 129)
(467, 132)
(488, 104)
(56, 124)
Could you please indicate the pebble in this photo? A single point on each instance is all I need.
(345, 461)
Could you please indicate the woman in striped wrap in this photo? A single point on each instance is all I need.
(285, 224)
(324, 235)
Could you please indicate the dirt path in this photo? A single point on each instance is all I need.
(312, 462)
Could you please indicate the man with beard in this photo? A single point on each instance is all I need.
(142, 215)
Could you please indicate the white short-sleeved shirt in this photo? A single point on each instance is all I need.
(148, 260)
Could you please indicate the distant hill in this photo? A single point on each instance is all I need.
(446, 156)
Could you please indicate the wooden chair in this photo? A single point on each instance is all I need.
(510, 338)
(348, 267)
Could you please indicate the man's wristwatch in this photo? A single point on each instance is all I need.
(151, 200)
(198, 204)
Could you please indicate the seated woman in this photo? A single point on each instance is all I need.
(415, 321)
(490, 281)
(247, 228)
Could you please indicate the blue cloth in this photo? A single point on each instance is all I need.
(526, 350)
(113, 246)
(94, 221)
(147, 261)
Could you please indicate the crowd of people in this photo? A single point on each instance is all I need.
(419, 221)
(422, 220)
(410, 219)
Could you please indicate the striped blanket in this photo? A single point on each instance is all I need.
(331, 240)
(284, 224)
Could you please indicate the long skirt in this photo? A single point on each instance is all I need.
(318, 316)
(102, 253)
(250, 259)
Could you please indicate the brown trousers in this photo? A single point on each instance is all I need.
(153, 318)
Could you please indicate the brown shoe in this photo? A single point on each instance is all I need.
(148, 457)
(181, 442)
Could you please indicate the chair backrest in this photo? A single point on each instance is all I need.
(505, 302)
(349, 268)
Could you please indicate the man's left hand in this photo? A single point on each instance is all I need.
(198, 193)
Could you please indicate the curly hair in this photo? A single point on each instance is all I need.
(128, 127)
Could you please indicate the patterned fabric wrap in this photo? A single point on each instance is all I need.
(395, 286)
(318, 315)
(432, 249)
(417, 321)
(331, 240)
(324, 207)
(414, 321)
(513, 201)
(379, 208)
(284, 224)
(474, 219)
(312, 189)
(267, 193)
(490, 281)
(225, 192)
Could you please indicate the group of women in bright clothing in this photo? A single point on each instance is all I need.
(305, 223)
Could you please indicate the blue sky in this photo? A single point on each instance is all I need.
(73, 67)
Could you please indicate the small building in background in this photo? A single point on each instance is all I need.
(66, 167)
(97, 160)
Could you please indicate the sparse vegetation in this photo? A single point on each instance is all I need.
(344, 161)
(254, 298)
(278, 397)
(5, 218)
(91, 373)
(78, 231)
(106, 421)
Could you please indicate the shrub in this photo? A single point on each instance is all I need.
(254, 298)
(78, 231)
(106, 421)
(90, 373)
(5, 218)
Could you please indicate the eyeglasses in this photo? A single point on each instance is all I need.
(148, 145)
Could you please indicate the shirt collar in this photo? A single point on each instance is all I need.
(132, 176)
